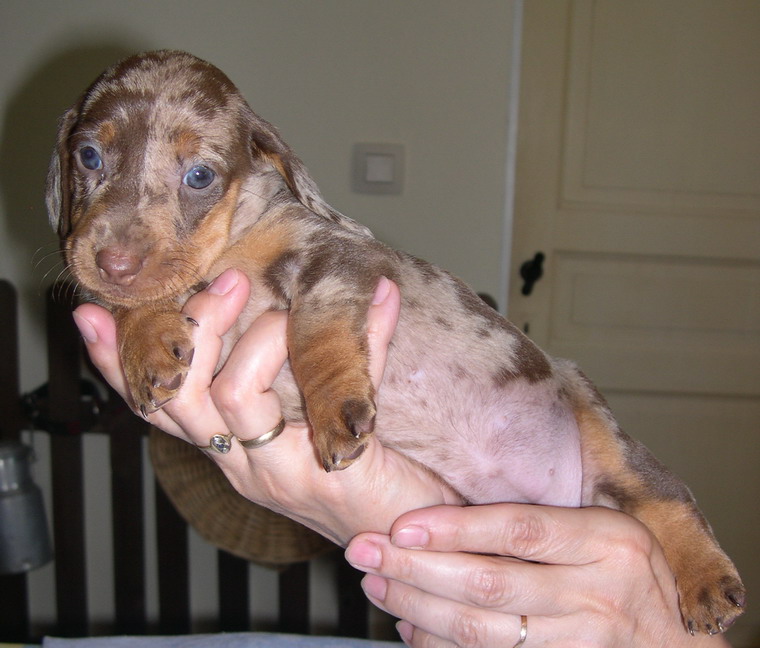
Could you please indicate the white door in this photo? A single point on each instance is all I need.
(638, 177)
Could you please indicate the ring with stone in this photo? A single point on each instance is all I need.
(221, 443)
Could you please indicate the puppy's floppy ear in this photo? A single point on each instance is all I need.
(58, 191)
(266, 143)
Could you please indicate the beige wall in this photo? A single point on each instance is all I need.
(433, 75)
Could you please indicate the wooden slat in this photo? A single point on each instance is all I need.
(234, 615)
(64, 353)
(66, 465)
(294, 599)
(173, 568)
(126, 433)
(10, 404)
(353, 608)
(68, 531)
(14, 612)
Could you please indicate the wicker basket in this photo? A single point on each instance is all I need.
(207, 501)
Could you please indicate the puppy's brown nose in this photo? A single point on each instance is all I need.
(118, 267)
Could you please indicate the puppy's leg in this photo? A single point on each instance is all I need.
(622, 473)
(328, 353)
(156, 348)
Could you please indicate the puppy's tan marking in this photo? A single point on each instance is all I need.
(106, 133)
(186, 142)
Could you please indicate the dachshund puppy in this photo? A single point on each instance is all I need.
(163, 177)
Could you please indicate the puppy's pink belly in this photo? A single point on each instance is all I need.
(517, 444)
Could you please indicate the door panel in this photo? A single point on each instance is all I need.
(626, 315)
(637, 175)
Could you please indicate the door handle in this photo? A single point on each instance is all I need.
(531, 271)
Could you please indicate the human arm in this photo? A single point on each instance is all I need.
(465, 576)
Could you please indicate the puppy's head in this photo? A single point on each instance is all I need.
(154, 168)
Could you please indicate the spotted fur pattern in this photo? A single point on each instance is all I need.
(163, 177)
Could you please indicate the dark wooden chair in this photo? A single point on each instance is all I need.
(65, 410)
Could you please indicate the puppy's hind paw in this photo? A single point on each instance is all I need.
(713, 607)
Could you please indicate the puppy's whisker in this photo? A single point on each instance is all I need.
(41, 255)
(50, 255)
(65, 290)
(60, 272)
(182, 267)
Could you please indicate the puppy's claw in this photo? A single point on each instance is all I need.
(358, 416)
(173, 384)
(157, 405)
(338, 462)
(738, 598)
(192, 321)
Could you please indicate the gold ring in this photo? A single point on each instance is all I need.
(523, 631)
(264, 438)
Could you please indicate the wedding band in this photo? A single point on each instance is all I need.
(220, 443)
(523, 631)
(264, 438)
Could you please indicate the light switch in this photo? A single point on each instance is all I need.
(378, 168)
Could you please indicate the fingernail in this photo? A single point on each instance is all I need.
(223, 283)
(86, 329)
(405, 631)
(411, 537)
(364, 555)
(382, 291)
(375, 587)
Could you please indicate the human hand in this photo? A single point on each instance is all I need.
(284, 475)
(465, 576)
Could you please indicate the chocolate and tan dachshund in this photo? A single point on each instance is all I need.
(163, 177)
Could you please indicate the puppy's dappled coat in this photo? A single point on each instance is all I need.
(163, 177)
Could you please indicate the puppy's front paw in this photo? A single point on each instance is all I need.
(156, 358)
(340, 427)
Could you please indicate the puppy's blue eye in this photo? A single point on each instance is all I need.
(90, 158)
(199, 177)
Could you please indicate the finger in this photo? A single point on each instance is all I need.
(443, 619)
(538, 533)
(215, 309)
(418, 638)
(98, 330)
(506, 585)
(244, 385)
(381, 323)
